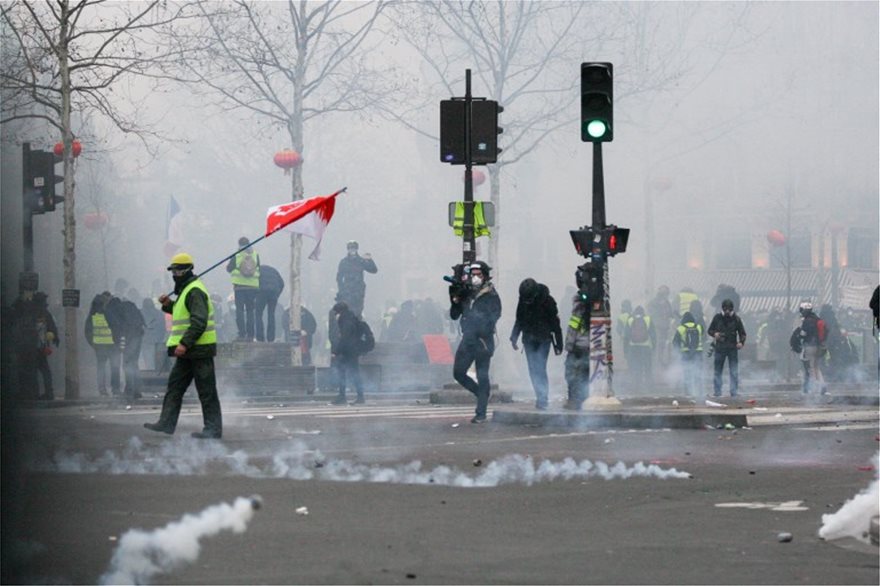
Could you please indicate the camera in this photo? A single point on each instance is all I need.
(458, 282)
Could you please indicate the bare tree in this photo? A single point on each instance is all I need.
(521, 54)
(68, 56)
(286, 64)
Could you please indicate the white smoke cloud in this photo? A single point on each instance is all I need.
(142, 554)
(854, 517)
(299, 462)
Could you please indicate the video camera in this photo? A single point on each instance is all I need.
(459, 285)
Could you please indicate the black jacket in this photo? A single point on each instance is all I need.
(345, 340)
(197, 304)
(350, 274)
(479, 311)
(731, 329)
(271, 283)
(537, 318)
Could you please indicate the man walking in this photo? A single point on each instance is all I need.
(729, 334)
(271, 286)
(345, 348)
(193, 341)
(537, 318)
(476, 303)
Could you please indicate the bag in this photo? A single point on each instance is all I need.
(248, 266)
(796, 342)
(691, 338)
(638, 331)
(366, 341)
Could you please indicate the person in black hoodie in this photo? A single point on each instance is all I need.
(537, 318)
(345, 351)
(478, 307)
(730, 335)
(271, 286)
(193, 341)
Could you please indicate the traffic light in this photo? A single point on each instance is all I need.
(40, 180)
(590, 283)
(597, 101)
(616, 239)
(484, 131)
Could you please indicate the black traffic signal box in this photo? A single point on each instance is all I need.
(597, 102)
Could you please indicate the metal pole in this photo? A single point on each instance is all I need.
(27, 217)
(469, 248)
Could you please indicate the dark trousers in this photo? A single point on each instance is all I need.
(265, 301)
(348, 372)
(130, 355)
(184, 371)
(536, 357)
(732, 356)
(640, 366)
(245, 299)
(577, 376)
(107, 354)
(473, 352)
(46, 373)
(26, 367)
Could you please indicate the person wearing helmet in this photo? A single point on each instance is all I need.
(812, 345)
(729, 336)
(478, 307)
(193, 341)
(244, 269)
(350, 277)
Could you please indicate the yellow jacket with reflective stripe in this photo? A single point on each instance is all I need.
(480, 227)
(101, 334)
(629, 324)
(180, 318)
(682, 338)
(238, 278)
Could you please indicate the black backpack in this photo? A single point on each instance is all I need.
(366, 341)
(691, 338)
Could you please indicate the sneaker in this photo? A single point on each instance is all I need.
(159, 428)
(479, 419)
(571, 406)
(541, 406)
(340, 400)
(206, 435)
(359, 401)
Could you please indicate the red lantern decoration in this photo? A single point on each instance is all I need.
(775, 237)
(59, 148)
(478, 177)
(287, 159)
(95, 220)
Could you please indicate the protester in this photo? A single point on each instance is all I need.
(100, 338)
(809, 340)
(689, 341)
(127, 325)
(350, 277)
(154, 332)
(537, 318)
(577, 358)
(345, 348)
(244, 269)
(477, 306)
(730, 335)
(662, 314)
(641, 336)
(193, 341)
(271, 286)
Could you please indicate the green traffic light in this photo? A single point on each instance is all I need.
(596, 128)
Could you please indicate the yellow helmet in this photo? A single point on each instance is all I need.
(181, 259)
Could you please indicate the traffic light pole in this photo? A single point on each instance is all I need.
(26, 211)
(469, 246)
(601, 356)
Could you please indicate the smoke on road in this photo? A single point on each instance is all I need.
(854, 517)
(141, 555)
(297, 461)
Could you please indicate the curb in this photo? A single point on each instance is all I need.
(617, 419)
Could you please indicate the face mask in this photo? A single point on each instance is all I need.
(477, 281)
(352, 252)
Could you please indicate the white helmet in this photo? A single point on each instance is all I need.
(805, 306)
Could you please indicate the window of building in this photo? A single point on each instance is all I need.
(861, 248)
(733, 252)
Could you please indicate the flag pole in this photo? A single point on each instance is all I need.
(249, 244)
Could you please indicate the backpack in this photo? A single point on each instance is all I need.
(691, 338)
(366, 341)
(638, 331)
(248, 266)
(796, 342)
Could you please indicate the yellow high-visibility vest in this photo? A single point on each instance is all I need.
(238, 278)
(629, 324)
(101, 334)
(682, 329)
(480, 227)
(180, 318)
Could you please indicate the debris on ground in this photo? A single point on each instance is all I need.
(302, 511)
(784, 537)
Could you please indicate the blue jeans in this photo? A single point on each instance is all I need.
(536, 356)
(474, 351)
(732, 356)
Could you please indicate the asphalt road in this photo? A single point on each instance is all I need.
(75, 481)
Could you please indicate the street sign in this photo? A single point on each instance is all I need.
(70, 298)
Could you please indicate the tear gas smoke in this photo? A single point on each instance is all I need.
(298, 462)
(142, 554)
(854, 517)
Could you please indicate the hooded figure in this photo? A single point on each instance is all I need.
(537, 318)
(640, 339)
(689, 341)
(730, 335)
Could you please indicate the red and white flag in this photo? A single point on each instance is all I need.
(308, 217)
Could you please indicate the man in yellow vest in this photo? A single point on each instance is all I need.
(244, 268)
(100, 338)
(193, 341)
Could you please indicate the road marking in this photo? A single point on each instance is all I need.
(785, 506)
